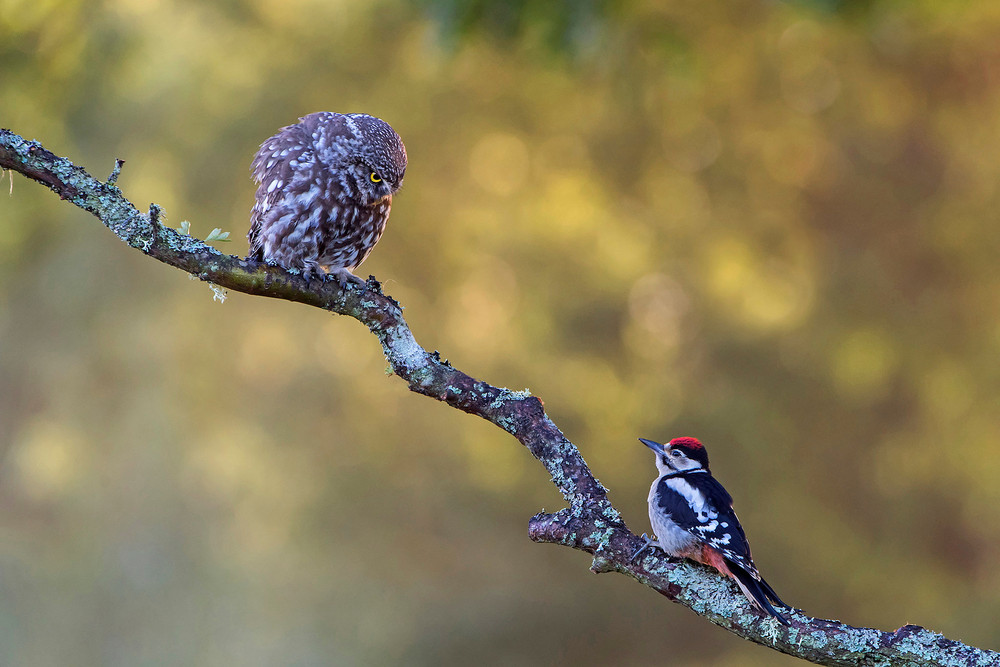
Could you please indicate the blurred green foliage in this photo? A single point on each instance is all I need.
(772, 226)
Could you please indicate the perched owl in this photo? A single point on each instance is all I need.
(325, 187)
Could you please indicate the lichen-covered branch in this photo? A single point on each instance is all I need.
(589, 523)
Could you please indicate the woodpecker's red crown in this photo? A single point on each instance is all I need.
(692, 448)
(689, 444)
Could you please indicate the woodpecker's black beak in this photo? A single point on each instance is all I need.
(655, 446)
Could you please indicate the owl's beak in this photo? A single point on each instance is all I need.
(652, 444)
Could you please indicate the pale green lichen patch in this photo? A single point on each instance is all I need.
(118, 215)
(183, 243)
(855, 640)
(815, 639)
(218, 293)
(600, 537)
(501, 402)
(925, 647)
(713, 596)
(404, 351)
(611, 514)
(508, 424)
(503, 397)
(566, 486)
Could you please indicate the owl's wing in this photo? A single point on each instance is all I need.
(271, 169)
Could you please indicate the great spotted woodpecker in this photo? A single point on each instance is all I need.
(692, 517)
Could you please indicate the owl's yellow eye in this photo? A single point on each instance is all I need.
(375, 178)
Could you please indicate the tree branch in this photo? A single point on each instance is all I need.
(590, 523)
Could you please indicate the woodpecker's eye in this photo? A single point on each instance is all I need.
(675, 453)
(375, 178)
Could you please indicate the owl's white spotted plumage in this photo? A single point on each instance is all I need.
(324, 192)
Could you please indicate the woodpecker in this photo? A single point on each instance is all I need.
(692, 517)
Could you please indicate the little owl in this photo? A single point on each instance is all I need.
(324, 189)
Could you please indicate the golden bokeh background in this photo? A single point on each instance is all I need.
(772, 226)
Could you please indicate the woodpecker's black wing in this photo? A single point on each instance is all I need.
(701, 505)
(714, 520)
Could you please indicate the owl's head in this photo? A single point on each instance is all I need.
(368, 155)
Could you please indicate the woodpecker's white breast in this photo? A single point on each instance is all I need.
(673, 538)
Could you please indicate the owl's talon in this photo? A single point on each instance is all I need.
(345, 276)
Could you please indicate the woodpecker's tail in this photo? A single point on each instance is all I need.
(757, 591)
(772, 595)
